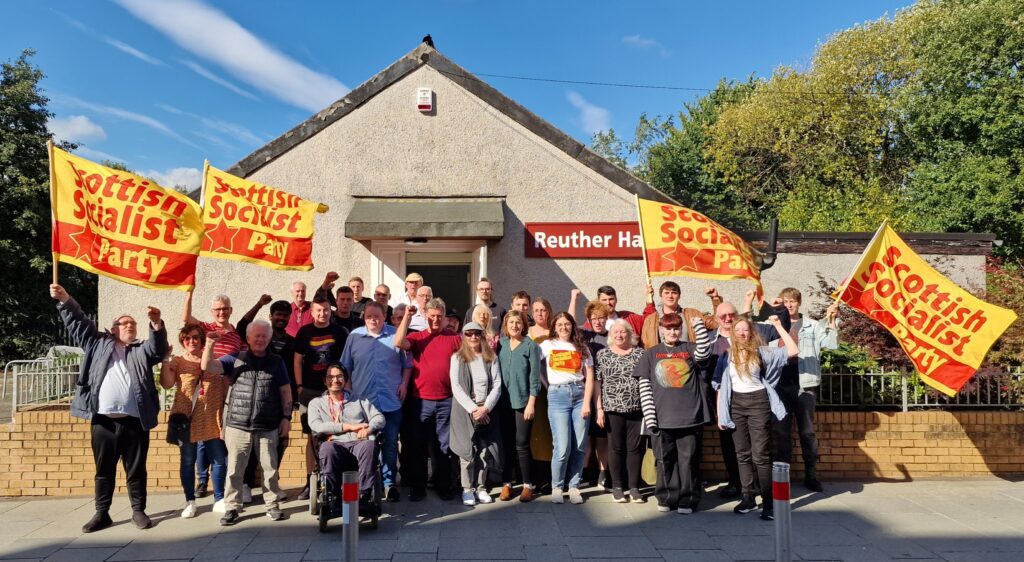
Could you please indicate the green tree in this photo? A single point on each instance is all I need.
(678, 166)
(28, 318)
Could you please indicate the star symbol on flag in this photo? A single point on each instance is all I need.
(681, 258)
(84, 239)
(222, 237)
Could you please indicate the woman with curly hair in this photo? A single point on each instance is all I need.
(570, 376)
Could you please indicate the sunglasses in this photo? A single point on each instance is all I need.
(127, 323)
(473, 334)
(727, 316)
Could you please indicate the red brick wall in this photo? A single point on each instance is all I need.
(47, 453)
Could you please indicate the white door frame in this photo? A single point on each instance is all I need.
(387, 261)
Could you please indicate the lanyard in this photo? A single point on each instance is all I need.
(335, 414)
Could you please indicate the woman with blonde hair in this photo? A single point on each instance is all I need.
(745, 377)
(475, 435)
(482, 316)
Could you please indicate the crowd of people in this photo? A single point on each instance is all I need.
(521, 397)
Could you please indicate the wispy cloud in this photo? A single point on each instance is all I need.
(139, 118)
(592, 118)
(200, 70)
(642, 42)
(75, 128)
(239, 52)
(190, 178)
(119, 45)
(126, 48)
(219, 126)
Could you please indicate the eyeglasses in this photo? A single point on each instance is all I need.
(127, 323)
(191, 338)
(598, 319)
(727, 316)
(473, 333)
(335, 377)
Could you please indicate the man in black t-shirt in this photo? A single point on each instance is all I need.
(675, 407)
(317, 346)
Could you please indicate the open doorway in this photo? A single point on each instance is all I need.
(447, 273)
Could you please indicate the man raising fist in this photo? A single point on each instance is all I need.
(117, 393)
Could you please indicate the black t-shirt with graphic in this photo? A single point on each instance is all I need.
(680, 398)
(319, 348)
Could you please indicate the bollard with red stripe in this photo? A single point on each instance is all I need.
(350, 514)
(780, 502)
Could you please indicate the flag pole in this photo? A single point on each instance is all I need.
(838, 294)
(643, 241)
(202, 186)
(53, 212)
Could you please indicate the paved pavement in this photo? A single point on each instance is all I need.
(962, 520)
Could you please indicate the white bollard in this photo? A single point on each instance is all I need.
(350, 513)
(783, 522)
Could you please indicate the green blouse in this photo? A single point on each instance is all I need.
(520, 370)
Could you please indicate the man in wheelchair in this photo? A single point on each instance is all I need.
(346, 425)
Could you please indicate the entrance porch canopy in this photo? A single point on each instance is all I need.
(382, 218)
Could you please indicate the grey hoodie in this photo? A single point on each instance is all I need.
(352, 412)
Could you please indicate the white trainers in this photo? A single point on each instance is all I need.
(219, 506)
(575, 497)
(468, 498)
(246, 494)
(190, 510)
(556, 495)
(483, 496)
(684, 510)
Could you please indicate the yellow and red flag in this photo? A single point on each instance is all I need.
(945, 330)
(121, 225)
(681, 241)
(255, 223)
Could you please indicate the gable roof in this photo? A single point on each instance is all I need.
(426, 55)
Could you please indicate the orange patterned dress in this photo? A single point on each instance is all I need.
(206, 419)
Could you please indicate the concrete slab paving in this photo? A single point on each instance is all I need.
(951, 521)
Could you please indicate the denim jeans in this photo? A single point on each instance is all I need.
(202, 463)
(389, 448)
(217, 453)
(568, 433)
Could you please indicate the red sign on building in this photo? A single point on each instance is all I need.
(583, 240)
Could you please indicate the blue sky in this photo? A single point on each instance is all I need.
(161, 85)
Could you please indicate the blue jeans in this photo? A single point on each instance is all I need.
(389, 448)
(202, 463)
(217, 452)
(568, 433)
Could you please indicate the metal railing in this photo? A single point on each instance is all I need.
(46, 381)
(894, 390)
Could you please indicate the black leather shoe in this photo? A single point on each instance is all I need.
(202, 490)
(813, 485)
(417, 495)
(304, 494)
(141, 520)
(101, 520)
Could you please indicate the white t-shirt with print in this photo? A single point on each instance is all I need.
(564, 362)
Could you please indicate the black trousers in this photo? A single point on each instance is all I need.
(515, 435)
(678, 455)
(800, 408)
(752, 414)
(121, 439)
(626, 448)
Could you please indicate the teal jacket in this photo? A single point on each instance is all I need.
(520, 370)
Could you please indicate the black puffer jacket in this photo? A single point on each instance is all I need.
(255, 401)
